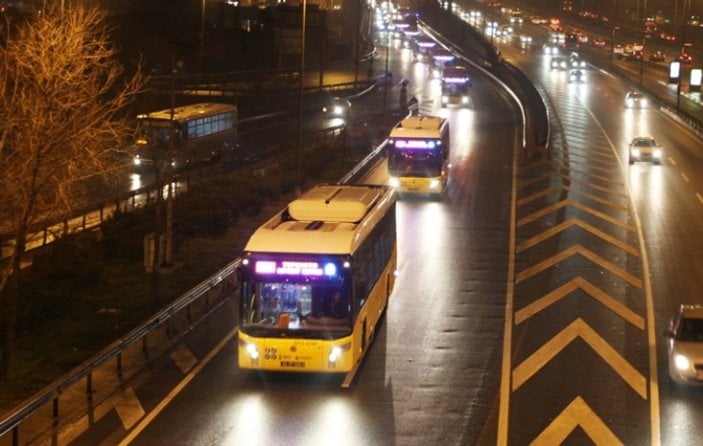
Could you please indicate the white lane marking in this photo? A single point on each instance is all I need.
(683, 175)
(128, 408)
(178, 389)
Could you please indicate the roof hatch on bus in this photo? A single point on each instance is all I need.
(333, 204)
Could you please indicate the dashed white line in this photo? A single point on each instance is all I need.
(700, 198)
(672, 161)
(683, 175)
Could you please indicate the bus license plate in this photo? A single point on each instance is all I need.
(292, 364)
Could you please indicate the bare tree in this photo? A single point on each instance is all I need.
(63, 103)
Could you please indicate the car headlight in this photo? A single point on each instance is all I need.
(393, 182)
(465, 99)
(681, 362)
(338, 110)
(629, 102)
(643, 102)
(434, 184)
(635, 152)
(137, 161)
(657, 153)
(335, 352)
(444, 99)
(252, 351)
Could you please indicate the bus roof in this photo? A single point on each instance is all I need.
(327, 219)
(420, 126)
(187, 112)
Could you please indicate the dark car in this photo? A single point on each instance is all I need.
(657, 56)
(685, 58)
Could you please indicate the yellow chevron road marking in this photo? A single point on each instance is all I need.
(128, 408)
(578, 249)
(576, 222)
(563, 203)
(566, 289)
(577, 413)
(572, 191)
(579, 328)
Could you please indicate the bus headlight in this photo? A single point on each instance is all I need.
(252, 351)
(334, 354)
(434, 184)
(681, 362)
(393, 182)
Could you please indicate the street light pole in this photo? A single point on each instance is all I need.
(202, 37)
(686, 5)
(385, 73)
(298, 174)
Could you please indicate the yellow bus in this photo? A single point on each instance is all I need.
(201, 133)
(418, 155)
(315, 280)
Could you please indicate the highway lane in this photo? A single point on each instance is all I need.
(668, 205)
(433, 372)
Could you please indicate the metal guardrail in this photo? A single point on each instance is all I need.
(93, 215)
(53, 392)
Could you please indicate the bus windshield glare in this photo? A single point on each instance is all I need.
(309, 298)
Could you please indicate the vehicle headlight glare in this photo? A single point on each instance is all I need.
(657, 153)
(434, 184)
(636, 152)
(643, 102)
(630, 102)
(334, 354)
(252, 351)
(681, 362)
(137, 161)
(393, 182)
(444, 99)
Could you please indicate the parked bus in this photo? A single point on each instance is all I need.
(418, 155)
(315, 280)
(456, 84)
(202, 132)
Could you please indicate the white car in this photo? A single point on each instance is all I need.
(576, 77)
(685, 345)
(645, 148)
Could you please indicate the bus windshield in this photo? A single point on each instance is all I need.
(415, 162)
(306, 305)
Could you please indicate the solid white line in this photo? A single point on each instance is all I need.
(172, 395)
